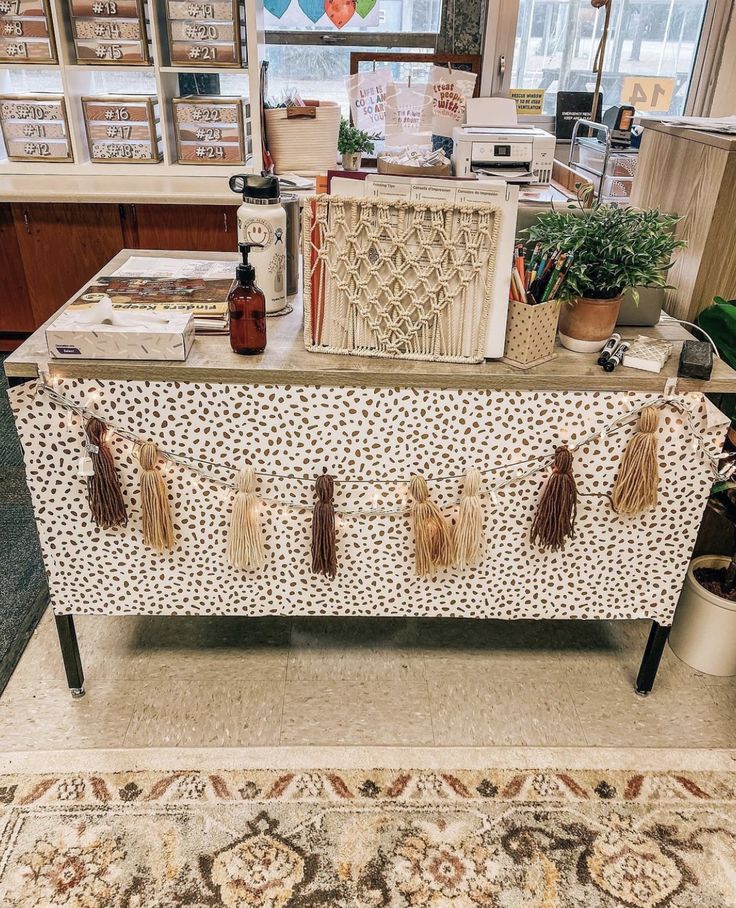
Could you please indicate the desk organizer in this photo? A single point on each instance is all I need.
(209, 130)
(399, 279)
(35, 128)
(109, 32)
(531, 333)
(26, 32)
(122, 129)
(205, 34)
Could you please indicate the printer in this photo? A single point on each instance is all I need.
(493, 144)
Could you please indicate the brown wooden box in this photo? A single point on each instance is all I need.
(208, 43)
(122, 129)
(41, 116)
(199, 119)
(26, 32)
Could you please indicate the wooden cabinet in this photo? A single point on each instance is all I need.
(16, 315)
(61, 247)
(48, 251)
(204, 228)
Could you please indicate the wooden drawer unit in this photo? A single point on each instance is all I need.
(26, 32)
(205, 34)
(209, 130)
(35, 129)
(122, 130)
(109, 32)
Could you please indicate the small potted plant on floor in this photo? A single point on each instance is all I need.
(704, 628)
(610, 250)
(352, 143)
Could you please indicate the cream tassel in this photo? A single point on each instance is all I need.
(432, 540)
(637, 482)
(245, 549)
(158, 528)
(468, 532)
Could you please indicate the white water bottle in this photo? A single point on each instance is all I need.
(262, 220)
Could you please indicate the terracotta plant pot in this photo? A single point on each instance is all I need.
(586, 324)
(704, 627)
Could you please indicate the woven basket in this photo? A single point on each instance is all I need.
(301, 141)
(530, 333)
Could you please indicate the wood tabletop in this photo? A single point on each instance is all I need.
(285, 361)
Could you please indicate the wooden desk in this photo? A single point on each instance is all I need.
(372, 423)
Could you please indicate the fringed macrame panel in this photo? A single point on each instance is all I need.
(401, 279)
(615, 566)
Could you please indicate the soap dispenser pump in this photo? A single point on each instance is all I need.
(246, 306)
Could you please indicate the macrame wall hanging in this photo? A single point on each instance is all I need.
(396, 278)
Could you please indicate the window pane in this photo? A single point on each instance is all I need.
(379, 16)
(649, 57)
(318, 72)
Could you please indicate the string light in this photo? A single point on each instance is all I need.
(535, 464)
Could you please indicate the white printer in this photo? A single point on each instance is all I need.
(493, 144)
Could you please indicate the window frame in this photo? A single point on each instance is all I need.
(500, 39)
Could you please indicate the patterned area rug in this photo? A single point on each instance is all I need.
(255, 838)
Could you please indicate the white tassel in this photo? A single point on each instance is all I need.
(468, 531)
(245, 549)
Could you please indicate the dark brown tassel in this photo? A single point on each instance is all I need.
(324, 555)
(554, 522)
(103, 486)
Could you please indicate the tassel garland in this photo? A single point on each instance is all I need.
(554, 521)
(245, 548)
(637, 482)
(104, 494)
(468, 531)
(158, 528)
(324, 554)
(432, 539)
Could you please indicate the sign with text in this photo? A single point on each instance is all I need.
(652, 93)
(571, 107)
(529, 101)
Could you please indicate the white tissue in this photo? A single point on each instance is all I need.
(104, 313)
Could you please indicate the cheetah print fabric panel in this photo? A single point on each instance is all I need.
(615, 567)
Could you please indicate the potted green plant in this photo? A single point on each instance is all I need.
(704, 628)
(612, 249)
(352, 143)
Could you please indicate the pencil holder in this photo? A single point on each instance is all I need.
(530, 333)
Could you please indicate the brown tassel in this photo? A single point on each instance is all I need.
(324, 555)
(637, 482)
(158, 528)
(432, 539)
(245, 540)
(104, 494)
(554, 521)
(468, 531)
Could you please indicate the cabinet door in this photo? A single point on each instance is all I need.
(195, 228)
(62, 247)
(15, 305)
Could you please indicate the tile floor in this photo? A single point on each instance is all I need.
(181, 682)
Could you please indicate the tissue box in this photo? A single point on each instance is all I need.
(171, 340)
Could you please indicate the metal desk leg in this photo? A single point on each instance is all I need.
(70, 653)
(650, 662)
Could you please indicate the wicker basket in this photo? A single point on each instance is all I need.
(304, 139)
(405, 170)
(530, 333)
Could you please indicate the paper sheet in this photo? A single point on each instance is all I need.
(206, 269)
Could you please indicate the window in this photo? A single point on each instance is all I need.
(654, 56)
(311, 50)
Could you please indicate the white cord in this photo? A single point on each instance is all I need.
(681, 321)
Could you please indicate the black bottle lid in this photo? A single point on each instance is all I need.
(253, 186)
(245, 273)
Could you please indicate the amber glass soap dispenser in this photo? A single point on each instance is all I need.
(246, 306)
